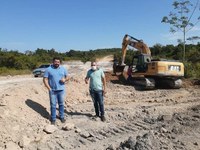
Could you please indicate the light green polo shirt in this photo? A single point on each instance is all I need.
(96, 79)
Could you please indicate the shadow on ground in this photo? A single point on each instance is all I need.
(38, 108)
(78, 114)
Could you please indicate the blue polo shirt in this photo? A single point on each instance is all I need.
(54, 76)
(96, 79)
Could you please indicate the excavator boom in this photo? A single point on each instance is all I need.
(133, 42)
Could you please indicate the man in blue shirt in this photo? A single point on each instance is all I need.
(97, 88)
(54, 79)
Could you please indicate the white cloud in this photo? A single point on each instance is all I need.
(195, 28)
(173, 37)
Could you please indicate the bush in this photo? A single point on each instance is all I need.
(5, 71)
(192, 70)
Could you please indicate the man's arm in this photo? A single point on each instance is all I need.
(103, 79)
(86, 80)
(66, 76)
(104, 84)
(46, 83)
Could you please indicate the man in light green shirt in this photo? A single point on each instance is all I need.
(97, 88)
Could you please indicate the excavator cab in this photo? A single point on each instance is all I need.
(140, 62)
(117, 68)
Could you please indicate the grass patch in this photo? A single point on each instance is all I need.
(5, 71)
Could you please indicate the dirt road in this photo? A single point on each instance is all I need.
(142, 120)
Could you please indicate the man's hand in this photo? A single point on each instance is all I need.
(86, 80)
(63, 80)
(104, 92)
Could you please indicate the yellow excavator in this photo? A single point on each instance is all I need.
(146, 72)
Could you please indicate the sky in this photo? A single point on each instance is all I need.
(83, 24)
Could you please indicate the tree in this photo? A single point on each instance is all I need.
(182, 19)
(193, 38)
(156, 49)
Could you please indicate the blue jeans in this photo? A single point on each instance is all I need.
(97, 98)
(54, 97)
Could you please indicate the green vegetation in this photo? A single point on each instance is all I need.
(91, 55)
(5, 71)
(14, 62)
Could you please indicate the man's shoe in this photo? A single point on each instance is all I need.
(96, 116)
(63, 120)
(103, 118)
(53, 122)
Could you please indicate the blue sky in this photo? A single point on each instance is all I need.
(82, 24)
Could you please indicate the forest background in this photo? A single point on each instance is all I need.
(14, 62)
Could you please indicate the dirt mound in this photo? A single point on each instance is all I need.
(187, 83)
(196, 82)
(146, 142)
(111, 77)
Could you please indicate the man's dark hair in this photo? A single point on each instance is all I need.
(93, 62)
(57, 58)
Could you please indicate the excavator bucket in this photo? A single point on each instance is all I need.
(118, 68)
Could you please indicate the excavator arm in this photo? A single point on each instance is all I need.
(135, 43)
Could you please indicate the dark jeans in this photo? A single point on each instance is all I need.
(97, 97)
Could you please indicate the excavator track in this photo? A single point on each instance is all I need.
(147, 83)
(171, 83)
(143, 83)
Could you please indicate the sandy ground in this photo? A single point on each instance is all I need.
(142, 120)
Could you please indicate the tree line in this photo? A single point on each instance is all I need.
(29, 60)
(13, 61)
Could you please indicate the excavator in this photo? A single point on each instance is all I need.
(146, 72)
